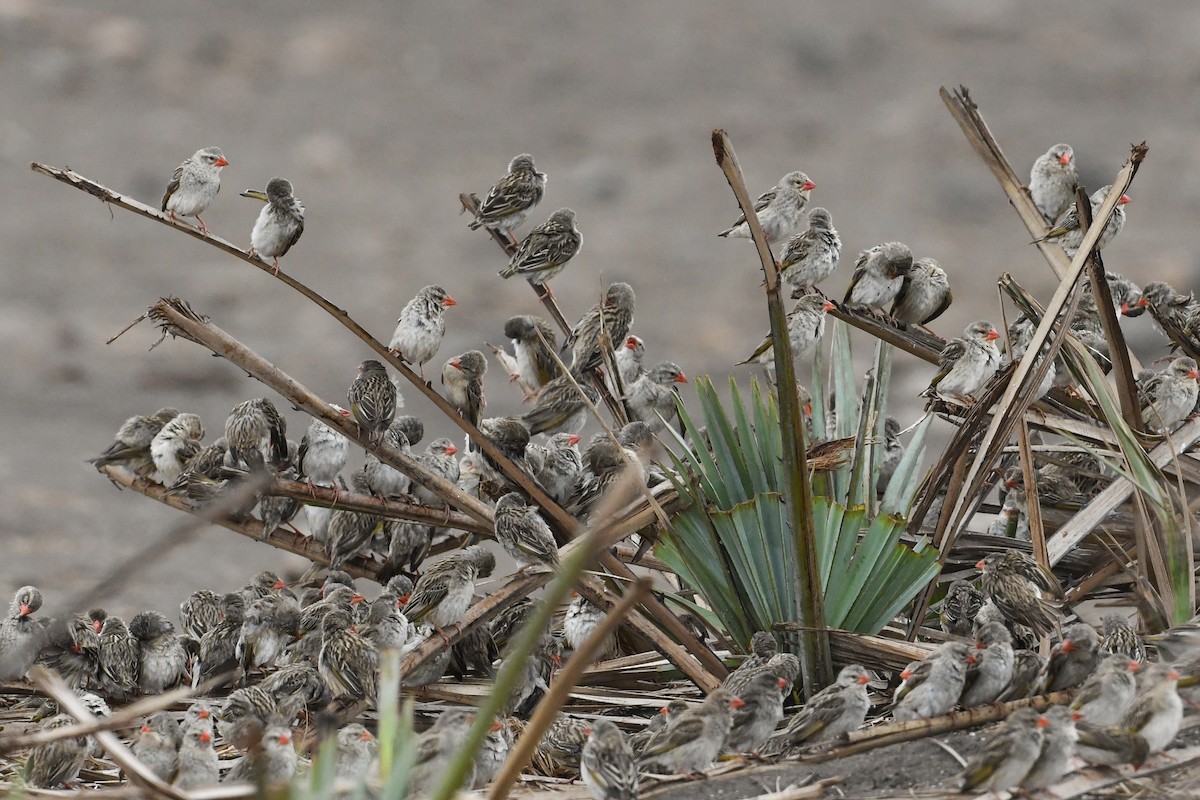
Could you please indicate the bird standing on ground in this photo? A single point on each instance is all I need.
(162, 658)
(279, 224)
(608, 766)
(694, 739)
(197, 762)
(511, 199)
(372, 399)
(760, 712)
(1052, 181)
(812, 255)
(924, 295)
(780, 209)
(879, 274)
(194, 185)
(1008, 755)
(421, 326)
(967, 364)
(546, 250)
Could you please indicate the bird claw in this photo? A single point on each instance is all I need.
(200, 224)
(276, 267)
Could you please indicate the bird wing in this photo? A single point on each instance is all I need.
(425, 599)
(1069, 221)
(295, 236)
(824, 708)
(951, 353)
(860, 269)
(682, 732)
(173, 186)
(475, 401)
(513, 192)
(763, 346)
(947, 299)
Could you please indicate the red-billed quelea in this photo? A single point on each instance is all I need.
(561, 465)
(218, 644)
(1119, 635)
(968, 363)
(651, 398)
(54, 763)
(1008, 755)
(546, 250)
(780, 209)
(806, 326)
(436, 748)
(323, 453)
(924, 295)
(197, 761)
(279, 224)
(373, 399)
(492, 754)
(609, 319)
(438, 458)
(1052, 181)
(510, 200)
(1157, 709)
(878, 275)
(534, 342)
(523, 533)
(353, 751)
(1027, 670)
(959, 607)
(275, 763)
(933, 686)
(462, 377)
(560, 407)
(1058, 746)
(630, 357)
(162, 658)
(992, 670)
(156, 744)
(839, 708)
(421, 326)
(607, 765)
(1067, 234)
(382, 479)
(1108, 692)
(694, 739)
(271, 622)
(21, 637)
(1169, 396)
(1073, 659)
(175, 445)
(1166, 305)
(444, 592)
(812, 255)
(131, 445)
(194, 185)
(761, 710)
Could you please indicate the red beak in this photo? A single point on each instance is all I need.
(279, 584)
(221, 162)
(829, 306)
(992, 335)
(980, 646)
(497, 726)
(97, 625)
(864, 680)
(1043, 722)
(357, 598)
(906, 674)
(573, 440)
(1124, 309)
(663, 711)
(631, 343)
(783, 683)
(205, 736)
(1068, 646)
(1143, 302)
(202, 714)
(808, 185)
(1134, 666)
(366, 736)
(145, 729)
(1064, 159)
(979, 565)
(1076, 716)
(1173, 675)
(456, 364)
(25, 610)
(1193, 374)
(400, 601)
(449, 301)
(1124, 199)
(285, 738)
(737, 702)
(971, 659)
(451, 450)
(681, 378)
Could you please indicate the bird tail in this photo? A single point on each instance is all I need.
(508, 272)
(474, 224)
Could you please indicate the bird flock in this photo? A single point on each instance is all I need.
(282, 651)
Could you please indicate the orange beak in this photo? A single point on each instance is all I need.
(496, 726)
(451, 450)
(357, 598)
(783, 683)
(366, 736)
(574, 439)
(1064, 159)
(1143, 303)
(97, 625)
(205, 736)
(829, 305)
(906, 674)
(449, 301)
(1134, 666)
(1194, 374)
(864, 680)
(663, 711)
(971, 659)
(145, 729)
(631, 343)
(1043, 722)
(401, 600)
(992, 335)
(1173, 675)
(1068, 646)
(279, 584)
(980, 646)
(202, 714)
(681, 378)
(345, 413)
(1124, 199)
(1124, 309)
(1076, 716)
(979, 565)
(285, 738)
(737, 702)
(221, 162)
(808, 185)
(26, 610)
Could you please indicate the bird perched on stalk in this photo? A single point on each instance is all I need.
(879, 274)
(512, 197)
(780, 209)
(323, 453)
(348, 662)
(279, 224)
(1108, 692)
(992, 670)
(21, 637)
(607, 765)
(1052, 181)
(651, 398)
(1027, 669)
(694, 738)
(959, 607)
(560, 466)
(1154, 717)
(1073, 659)
(546, 250)
(175, 445)
(580, 620)
(1067, 233)
(421, 326)
(372, 399)
(933, 685)
(443, 593)
(131, 445)
(924, 295)
(1014, 583)
(762, 647)
(523, 533)
(968, 363)
(1170, 396)
(194, 185)
(806, 326)
(839, 708)
(812, 255)
(602, 325)
(217, 647)
(463, 378)
(534, 342)
(1009, 754)
(438, 458)
(1058, 745)
(1168, 306)
(560, 407)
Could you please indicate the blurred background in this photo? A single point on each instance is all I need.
(381, 113)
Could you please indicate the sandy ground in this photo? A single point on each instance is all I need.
(382, 114)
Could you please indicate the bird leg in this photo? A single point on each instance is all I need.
(200, 224)
(543, 290)
(171, 216)
(250, 251)
(276, 263)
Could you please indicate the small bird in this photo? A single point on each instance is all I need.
(934, 685)
(156, 744)
(197, 762)
(839, 708)
(73, 648)
(1067, 234)
(1058, 745)
(271, 622)
(959, 607)
(607, 765)
(323, 453)
(56, 762)
(421, 326)
(603, 465)
(924, 295)
(373, 399)
(1170, 396)
(580, 620)
(651, 399)
(523, 533)
(162, 658)
(1157, 710)
(1119, 636)
(444, 592)
(560, 407)
(992, 670)
(694, 739)
(437, 746)
(248, 435)
(560, 466)
(967, 364)
(1008, 755)
(274, 763)
(602, 325)
(353, 751)
(534, 342)
(812, 255)
(629, 358)
(1073, 659)
(492, 754)
(780, 209)
(438, 458)
(348, 662)
(194, 185)
(1125, 295)
(1168, 306)
(511, 199)
(131, 445)
(1108, 692)
(279, 224)
(175, 445)
(762, 648)
(382, 479)
(1027, 669)
(21, 638)
(1052, 181)
(879, 274)
(217, 647)
(806, 326)
(349, 534)
(200, 613)
(761, 710)
(1013, 582)
(1111, 746)
(893, 453)
(463, 378)
(119, 660)
(546, 250)
(246, 714)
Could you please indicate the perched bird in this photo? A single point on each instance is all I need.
(602, 325)
(421, 326)
(194, 185)
(246, 714)
(407, 548)
(959, 607)
(1014, 582)
(382, 479)
(761, 710)
(348, 662)
(560, 466)
(279, 224)
(218, 645)
(197, 760)
(1168, 306)
(694, 739)
(323, 453)
(463, 378)
(1170, 396)
(523, 533)
(474, 653)
(1126, 295)
(1009, 755)
(119, 660)
(652, 397)
(1111, 746)
(546, 250)
(1052, 181)
(21, 638)
(1119, 636)
(175, 445)
(1058, 745)
(353, 751)
(349, 534)
(1073, 659)
(271, 622)
(1067, 234)
(580, 620)
(1027, 669)
(806, 326)
(629, 358)
(603, 465)
(438, 458)
(72, 648)
(924, 295)
(274, 763)
(992, 670)
(607, 765)
(1108, 692)
(248, 435)
(386, 626)
(893, 453)
(560, 407)
(812, 255)
(534, 342)
(512, 197)
(156, 745)
(437, 746)
(443, 593)
(54, 763)
(200, 613)
(967, 364)
(162, 659)
(131, 445)
(535, 676)
(780, 209)
(373, 399)
(839, 708)
(762, 648)
(879, 274)
(934, 685)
